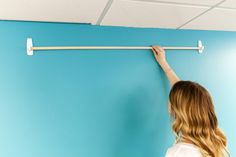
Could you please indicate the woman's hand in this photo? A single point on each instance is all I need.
(159, 54)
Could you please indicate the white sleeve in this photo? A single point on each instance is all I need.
(168, 154)
(171, 152)
(183, 151)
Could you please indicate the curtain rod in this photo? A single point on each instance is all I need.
(31, 48)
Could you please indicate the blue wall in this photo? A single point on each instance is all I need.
(109, 103)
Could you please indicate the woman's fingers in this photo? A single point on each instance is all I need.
(160, 49)
(155, 49)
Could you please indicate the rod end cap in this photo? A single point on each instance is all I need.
(200, 47)
(29, 47)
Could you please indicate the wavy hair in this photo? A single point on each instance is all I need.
(194, 119)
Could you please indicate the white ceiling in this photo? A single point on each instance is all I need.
(81, 11)
(176, 14)
(143, 14)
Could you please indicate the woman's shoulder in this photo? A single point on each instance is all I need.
(183, 149)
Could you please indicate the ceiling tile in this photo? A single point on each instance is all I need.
(216, 19)
(229, 3)
(83, 11)
(151, 14)
(198, 2)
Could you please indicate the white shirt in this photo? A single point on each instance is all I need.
(183, 149)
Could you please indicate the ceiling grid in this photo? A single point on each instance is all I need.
(172, 14)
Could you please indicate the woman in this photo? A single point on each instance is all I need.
(194, 121)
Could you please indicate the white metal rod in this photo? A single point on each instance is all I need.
(109, 47)
(31, 48)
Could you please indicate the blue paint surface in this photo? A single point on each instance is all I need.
(95, 103)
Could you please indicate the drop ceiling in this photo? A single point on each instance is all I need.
(174, 14)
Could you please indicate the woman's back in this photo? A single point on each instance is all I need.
(183, 149)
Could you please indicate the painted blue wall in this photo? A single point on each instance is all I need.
(109, 103)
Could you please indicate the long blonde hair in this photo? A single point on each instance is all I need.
(194, 119)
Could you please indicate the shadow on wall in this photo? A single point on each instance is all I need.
(145, 124)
